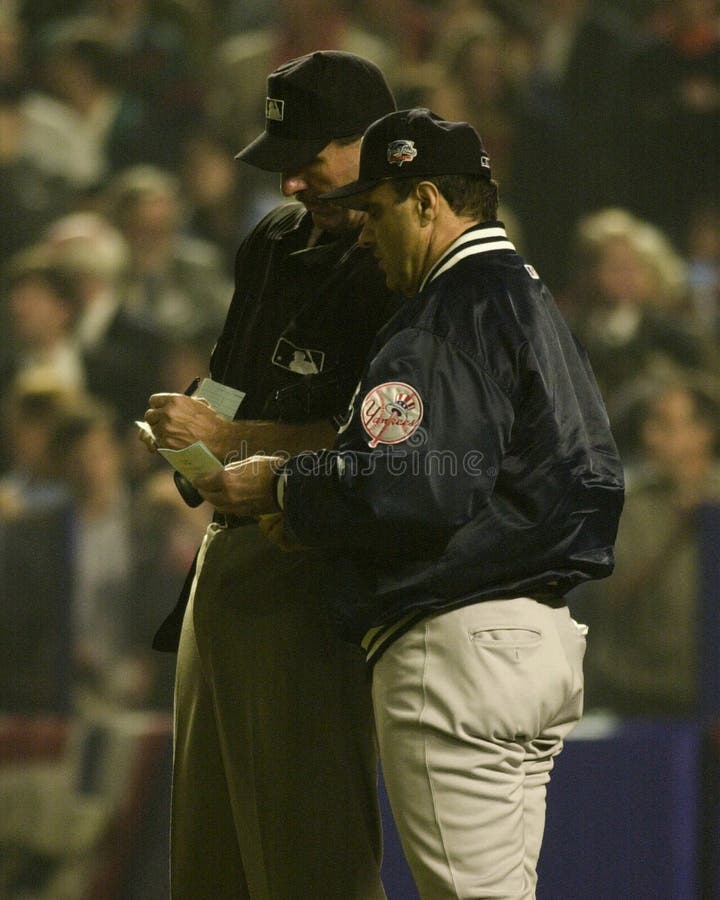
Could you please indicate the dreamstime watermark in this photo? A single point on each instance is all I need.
(409, 459)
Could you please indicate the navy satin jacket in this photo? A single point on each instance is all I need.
(476, 460)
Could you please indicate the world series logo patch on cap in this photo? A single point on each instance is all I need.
(399, 152)
(274, 109)
(391, 412)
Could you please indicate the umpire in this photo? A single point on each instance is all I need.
(274, 780)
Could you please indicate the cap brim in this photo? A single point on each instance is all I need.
(275, 154)
(345, 196)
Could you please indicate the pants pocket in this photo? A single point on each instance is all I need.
(506, 636)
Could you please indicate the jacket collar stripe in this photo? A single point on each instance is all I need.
(477, 240)
(472, 251)
(477, 234)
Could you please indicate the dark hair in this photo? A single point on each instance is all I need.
(77, 422)
(34, 405)
(95, 54)
(100, 59)
(467, 195)
(28, 266)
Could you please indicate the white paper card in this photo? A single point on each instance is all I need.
(192, 461)
(223, 399)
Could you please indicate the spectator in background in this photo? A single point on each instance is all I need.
(42, 305)
(30, 197)
(408, 26)
(702, 247)
(570, 143)
(626, 302)
(476, 83)
(158, 50)
(217, 196)
(34, 577)
(675, 107)
(83, 125)
(122, 356)
(175, 283)
(31, 405)
(111, 659)
(82, 578)
(35, 16)
(643, 657)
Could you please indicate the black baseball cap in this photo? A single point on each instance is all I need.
(313, 100)
(415, 142)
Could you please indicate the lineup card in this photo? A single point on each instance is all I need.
(192, 461)
(223, 399)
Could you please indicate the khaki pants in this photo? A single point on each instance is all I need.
(472, 707)
(274, 782)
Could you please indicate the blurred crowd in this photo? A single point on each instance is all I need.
(122, 206)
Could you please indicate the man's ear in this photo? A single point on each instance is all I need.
(428, 201)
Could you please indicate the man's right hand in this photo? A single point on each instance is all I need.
(178, 421)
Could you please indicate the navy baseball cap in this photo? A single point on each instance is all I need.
(311, 101)
(415, 142)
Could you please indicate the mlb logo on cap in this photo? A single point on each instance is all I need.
(313, 100)
(274, 109)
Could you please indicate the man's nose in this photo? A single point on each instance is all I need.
(366, 237)
(292, 183)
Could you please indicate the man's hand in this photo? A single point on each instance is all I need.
(245, 488)
(178, 421)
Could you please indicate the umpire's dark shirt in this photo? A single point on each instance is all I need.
(298, 331)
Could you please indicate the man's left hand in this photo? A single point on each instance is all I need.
(245, 488)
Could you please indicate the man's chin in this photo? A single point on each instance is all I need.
(327, 217)
(337, 218)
